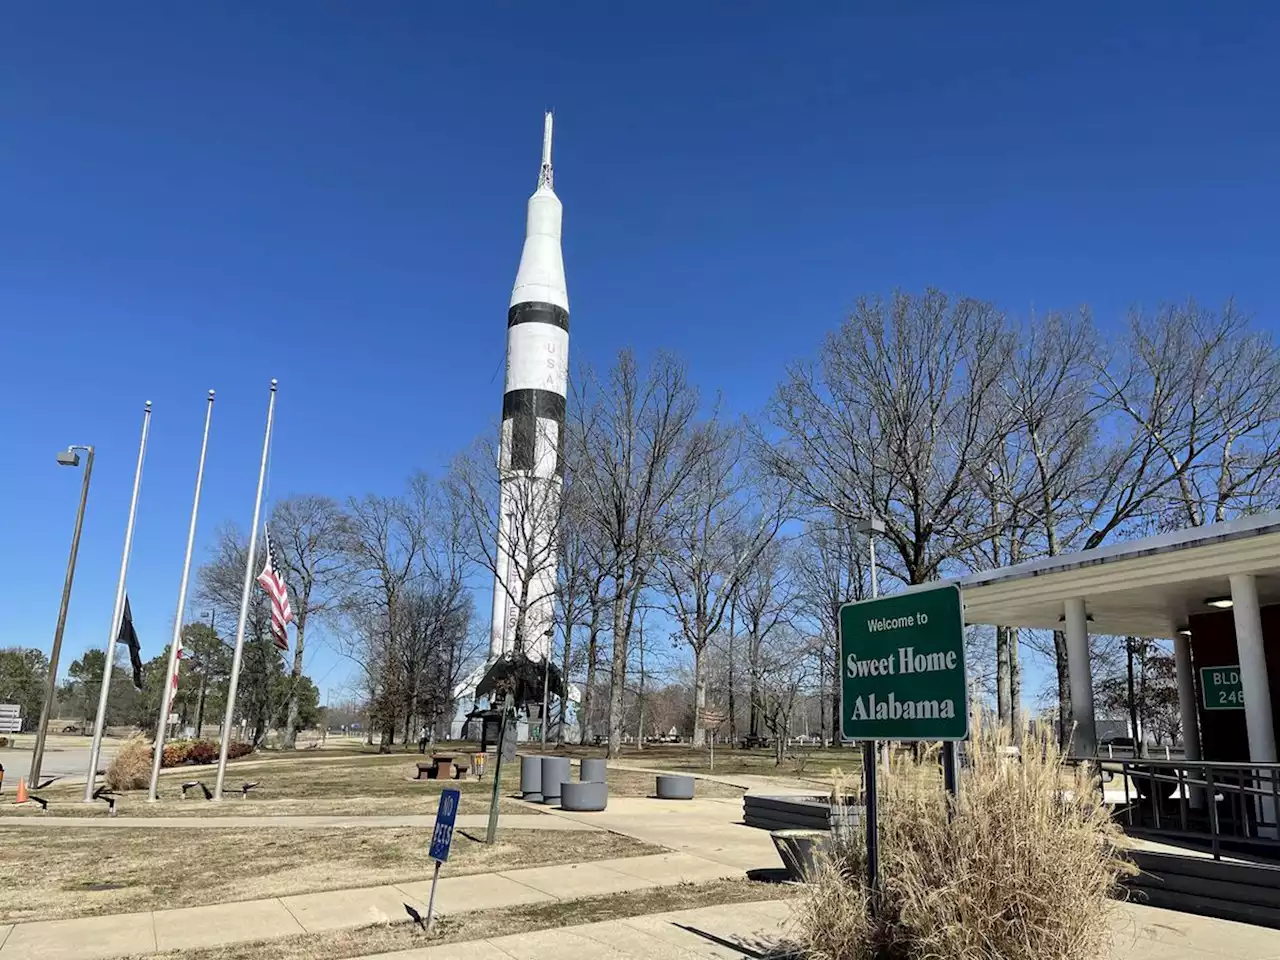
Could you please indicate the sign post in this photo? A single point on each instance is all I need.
(713, 718)
(902, 677)
(508, 710)
(1221, 689)
(441, 841)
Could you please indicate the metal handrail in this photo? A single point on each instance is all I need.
(1233, 795)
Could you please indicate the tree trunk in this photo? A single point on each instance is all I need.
(1002, 675)
(1064, 688)
(618, 672)
(699, 695)
(640, 698)
(1135, 724)
(291, 717)
(204, 683)
(1016, 721)
(753, 655)
(585, 729)
(564, 676)
(733, 720)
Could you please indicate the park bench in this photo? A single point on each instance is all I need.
(461, 768)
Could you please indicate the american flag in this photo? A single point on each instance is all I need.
(177, 662)
(272, 582)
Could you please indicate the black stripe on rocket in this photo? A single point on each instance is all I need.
(535, 312)
(524, 408)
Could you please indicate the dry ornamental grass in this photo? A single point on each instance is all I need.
(1021, 867)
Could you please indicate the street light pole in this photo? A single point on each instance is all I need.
(68, 458)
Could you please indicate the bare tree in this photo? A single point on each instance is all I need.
(512, 522)
(388, 544)
(784, 671)
(1198, 393)
(892, 420)
(634, 444)
(311, 533)
(721, 522)
(1055, 414)
(577, 589)
(830, 569)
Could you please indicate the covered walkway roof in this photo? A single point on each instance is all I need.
(1144, 588)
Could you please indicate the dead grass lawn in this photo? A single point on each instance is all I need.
(70, 872)
(304, 784)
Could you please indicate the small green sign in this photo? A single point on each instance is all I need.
(1221, 687)
(902, 667)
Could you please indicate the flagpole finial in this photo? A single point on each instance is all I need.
(210, 394)
(148, 405)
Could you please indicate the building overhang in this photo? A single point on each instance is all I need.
(1145, 588)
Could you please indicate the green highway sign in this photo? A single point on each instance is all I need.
(1221, 687)
(902, 667)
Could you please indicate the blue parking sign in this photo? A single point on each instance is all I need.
(442, 835)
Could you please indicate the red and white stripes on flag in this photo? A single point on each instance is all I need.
(177, 662)
(271, 581)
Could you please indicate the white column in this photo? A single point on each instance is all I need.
(1187, 710)
(1254, 684)
(1253, 668)
(1081, 677)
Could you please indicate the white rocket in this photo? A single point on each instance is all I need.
(533, 406)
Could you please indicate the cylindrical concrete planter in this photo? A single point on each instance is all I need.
(586, 797)
(674, 788)
(593, 771)
(555, 771)
(801, 851)
(531, 778)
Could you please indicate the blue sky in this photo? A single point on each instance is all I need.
(201, 196)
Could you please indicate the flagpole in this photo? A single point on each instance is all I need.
(170, 680)
(244, 601)
(91, 775)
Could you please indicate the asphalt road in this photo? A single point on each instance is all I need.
(66, 757)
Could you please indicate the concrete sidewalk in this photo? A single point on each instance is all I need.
(466, 821)
(189, 928)
(750, 930)
(715, 933)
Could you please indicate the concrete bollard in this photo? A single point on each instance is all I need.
(593, 771)
(584, 796)
(531, 778)
(555, 771)
(674, 788)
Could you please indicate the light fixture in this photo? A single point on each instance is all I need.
(1088, 618)
(870, 525)
(68, 458)
(1184, 631)
(1220, 603)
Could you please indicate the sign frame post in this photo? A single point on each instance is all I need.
(508, 709)
(878, 702)
(441, 841)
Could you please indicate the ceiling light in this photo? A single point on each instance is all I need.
(1088, 618)
(1221, 603)
(1184, 631)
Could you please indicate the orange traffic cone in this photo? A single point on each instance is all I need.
(22, 791)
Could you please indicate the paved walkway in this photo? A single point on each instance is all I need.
(190, 928)
(716, 933)
(747, 930)
(466, 821)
